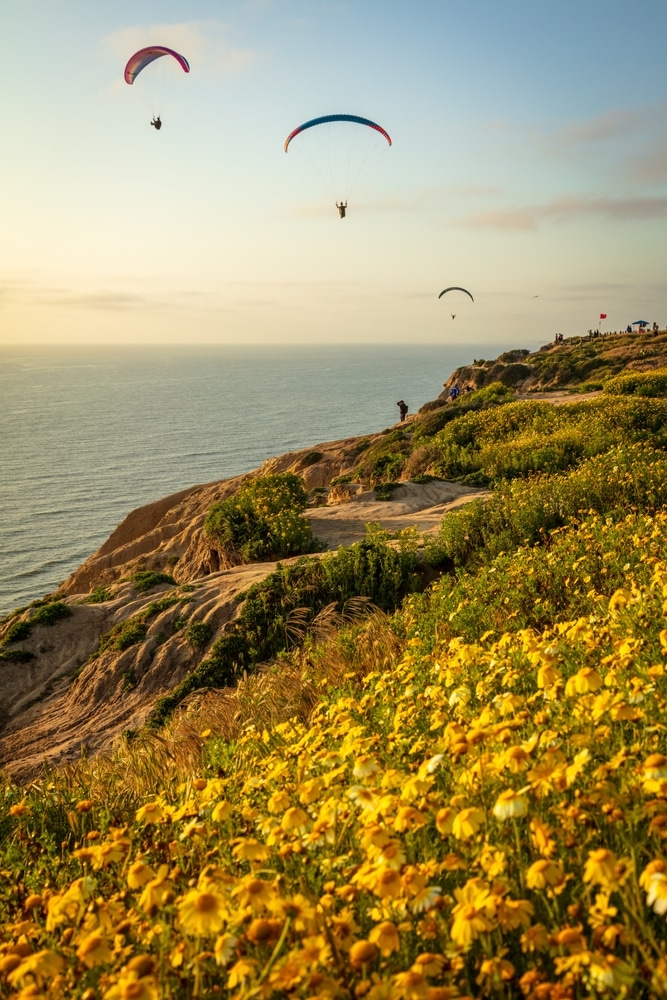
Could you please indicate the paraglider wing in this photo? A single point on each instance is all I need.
(337, 118)
(143, 57)
(454, 288)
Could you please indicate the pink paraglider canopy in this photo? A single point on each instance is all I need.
(143, 57)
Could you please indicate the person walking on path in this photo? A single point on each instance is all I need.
(403, 408)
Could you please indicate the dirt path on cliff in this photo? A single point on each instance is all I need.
(412, 505)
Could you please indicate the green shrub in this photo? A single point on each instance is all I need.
(385, 491)
(16, 655)
(264, 520)
(128, 680)
(123, 635)
(198, 634)
(145, 579)
(386, 468)
(157, 607)
(49, 614)
(527, 437)
(312, 458)
(98, 596)
(17, 631)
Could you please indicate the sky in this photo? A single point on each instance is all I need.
(528, 164)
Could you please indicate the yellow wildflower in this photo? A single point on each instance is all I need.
(250, 849)
(254, 892)
(600, 869)
(410, 985)
(467, 822)
(202, 914)
(132, 988)
(222, 811)
(224, 949)
(387, 884)
(385, 936)
(240, 972)
(362, 953)
(294, 819)
(138, 874)
(470, 914)
(545, 874)
(94, 950)
(609, 973)
(585, 680)
(152, 812)
(510, 805)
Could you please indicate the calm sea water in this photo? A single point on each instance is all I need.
(87, 435)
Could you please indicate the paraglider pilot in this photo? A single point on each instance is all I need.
(341, 208)
(156, 123)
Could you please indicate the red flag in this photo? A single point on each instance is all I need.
(603, 315)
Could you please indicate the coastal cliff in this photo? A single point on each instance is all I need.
(76, 680)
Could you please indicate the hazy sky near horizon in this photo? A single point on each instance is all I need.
(529, 164)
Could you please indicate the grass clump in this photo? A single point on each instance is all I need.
(16, 655)
(145, 579)
(123, 635)
(49, 614)
(263, 521)
(99, 595)
(17, 631)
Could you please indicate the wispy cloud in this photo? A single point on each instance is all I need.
(609, 125)
(650, 165)
(24, 290)
(102, 300)
(569, 208)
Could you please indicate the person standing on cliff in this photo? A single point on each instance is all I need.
(402, 408)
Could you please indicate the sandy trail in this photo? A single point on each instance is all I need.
(412, 505)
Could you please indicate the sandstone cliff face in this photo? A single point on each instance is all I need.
(68, 699)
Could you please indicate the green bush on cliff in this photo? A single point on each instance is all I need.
(279, 611)
(198, 634)
(17, 631)
(145, 579)
(263, 520)
(49, 614)
(123, 635)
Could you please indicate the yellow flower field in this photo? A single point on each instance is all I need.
(483, 819)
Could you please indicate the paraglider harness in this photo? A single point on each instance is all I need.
(156, 123)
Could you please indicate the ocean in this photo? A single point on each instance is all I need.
(89, 434)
